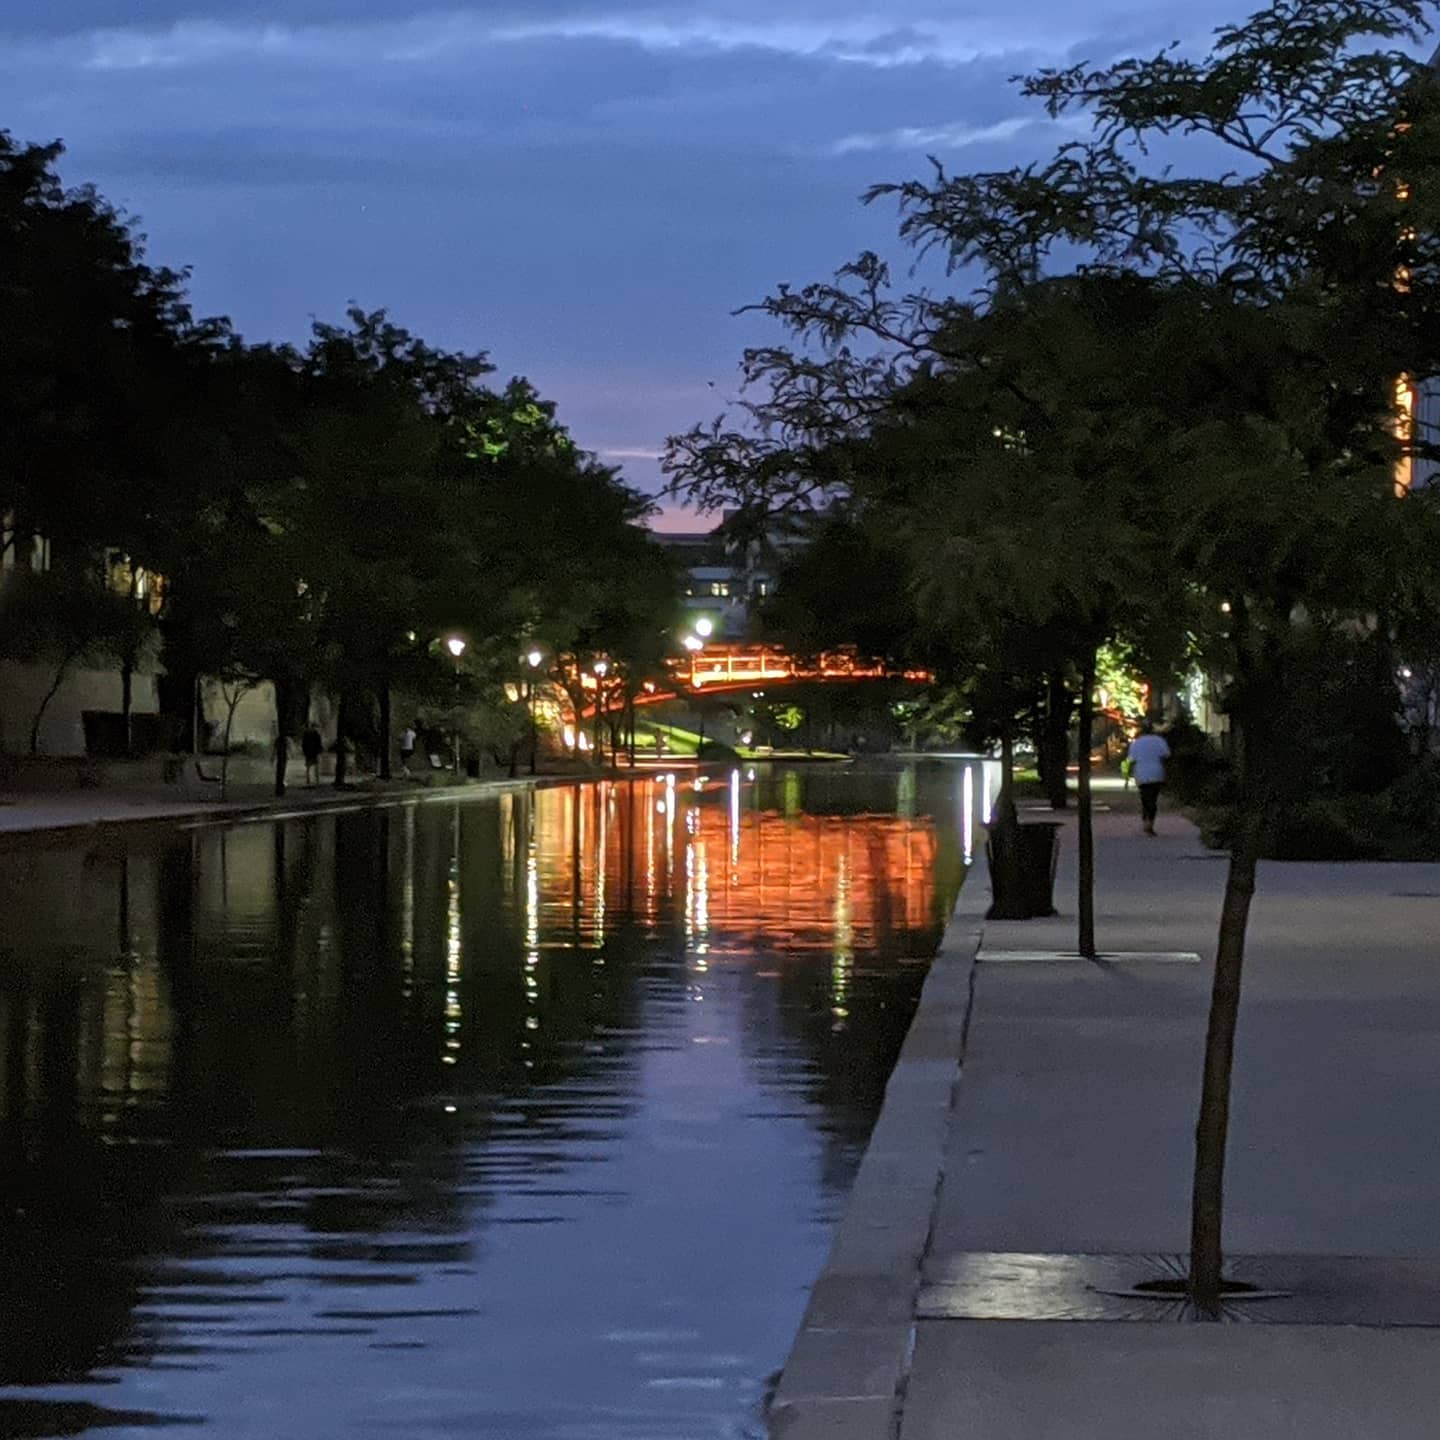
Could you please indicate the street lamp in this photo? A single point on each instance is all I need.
(602, 669)
(456, 646)
(533, 659)
(692, 643)
(704, 627)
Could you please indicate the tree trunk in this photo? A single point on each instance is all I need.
(1055, 741)
(283, 706)
(342, 759)
(127, 701)
(384, 729)
(127, 677)
(1212, 1128)
(60, 674)
(232, 703)
(1085, 906)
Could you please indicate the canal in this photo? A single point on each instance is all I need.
(520, 1115)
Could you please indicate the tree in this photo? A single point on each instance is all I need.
(1311, 272)
(1283, 307)
(64, 618)
(97, 343)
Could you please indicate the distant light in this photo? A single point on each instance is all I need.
(602, 668)
(693, 643)
(1224, 607)
(703, 627)
(456, 646)
(533, 659)
(449, 1109)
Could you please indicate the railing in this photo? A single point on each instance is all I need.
(735, 665)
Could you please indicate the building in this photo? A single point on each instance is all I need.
(83, 714)
(725, 580)
(722, 581)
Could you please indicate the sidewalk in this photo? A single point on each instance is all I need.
(1067, 1132)
(28, 812)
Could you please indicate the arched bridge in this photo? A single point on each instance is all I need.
(718, 669)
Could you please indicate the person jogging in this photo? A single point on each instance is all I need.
(1148, 754)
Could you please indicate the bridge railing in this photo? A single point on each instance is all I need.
(754, 665)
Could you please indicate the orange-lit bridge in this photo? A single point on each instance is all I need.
(720, 668)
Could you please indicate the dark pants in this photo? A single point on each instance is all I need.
(1150, 801)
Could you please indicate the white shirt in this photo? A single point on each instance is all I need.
(407, 739)
(1148, 754)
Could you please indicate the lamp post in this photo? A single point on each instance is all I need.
(694, 644)
(602, 669)
(533, 659)
(456, 646)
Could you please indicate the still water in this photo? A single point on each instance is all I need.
(522, 1115)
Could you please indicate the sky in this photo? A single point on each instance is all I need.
(586, 189)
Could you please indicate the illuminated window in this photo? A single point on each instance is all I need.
(719, 588)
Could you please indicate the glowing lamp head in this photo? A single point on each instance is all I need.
(533, 659)
(704, 627)
(693, 643)
(456, 646)
(602, 668)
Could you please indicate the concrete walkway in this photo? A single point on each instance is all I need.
(1067, 1131)
(24, 812)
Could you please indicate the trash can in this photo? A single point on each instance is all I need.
(1032, 876)
(1039, 854)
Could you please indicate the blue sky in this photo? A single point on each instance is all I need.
(585, 188)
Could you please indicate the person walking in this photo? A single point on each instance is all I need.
(312, 746)
(407, 748)
(1147, 757)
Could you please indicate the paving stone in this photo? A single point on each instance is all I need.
(833, 1420)
(856, 1364)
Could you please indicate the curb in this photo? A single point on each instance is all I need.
(847, 1369)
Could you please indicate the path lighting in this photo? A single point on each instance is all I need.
(456, 646)
(602, 669)
(533, 659)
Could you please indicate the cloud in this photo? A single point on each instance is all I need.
(586, 188)
(942, 137)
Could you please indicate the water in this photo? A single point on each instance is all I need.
(526, 1115)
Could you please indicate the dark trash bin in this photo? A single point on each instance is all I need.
(1038, 851)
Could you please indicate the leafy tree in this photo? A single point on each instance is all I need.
(1310, 273)
(64, 618)
(1272, 314)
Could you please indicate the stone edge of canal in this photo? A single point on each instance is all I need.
(852, 1350)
